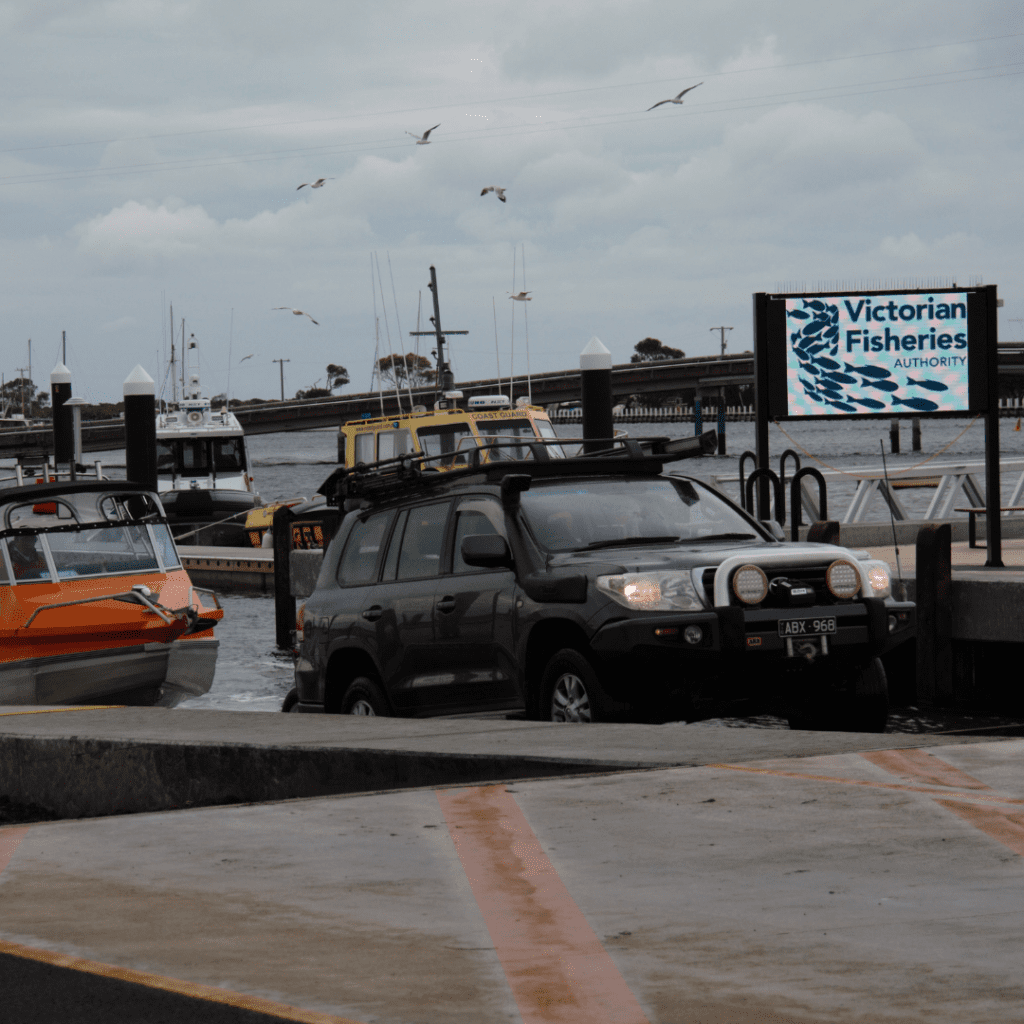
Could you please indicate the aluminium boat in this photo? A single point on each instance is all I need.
(95, 607)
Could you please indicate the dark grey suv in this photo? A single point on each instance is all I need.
(584, 589)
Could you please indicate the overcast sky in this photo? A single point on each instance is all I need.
(151, 151)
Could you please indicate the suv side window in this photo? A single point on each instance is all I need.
(391, 561)
(475, 516)
(359, 560)
(422, 541)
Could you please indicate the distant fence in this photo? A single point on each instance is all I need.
(1008, 407)
(664, 414)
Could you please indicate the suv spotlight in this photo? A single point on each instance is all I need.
(584, 589)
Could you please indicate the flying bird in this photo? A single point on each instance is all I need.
(522, 297)
(499, 192)
(424, 139)
(249, 356)
(675, 99)
(297, 312)
(319, 183)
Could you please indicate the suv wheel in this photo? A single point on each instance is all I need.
(290, 700)
(863, 706)
(363, 697)
(570, 690)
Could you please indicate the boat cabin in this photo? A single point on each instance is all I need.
(452, 430)
(75, 533)
(197, 448)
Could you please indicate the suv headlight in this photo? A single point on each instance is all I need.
(878, 574)
(653, 591)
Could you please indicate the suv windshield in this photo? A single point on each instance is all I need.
(578, 514)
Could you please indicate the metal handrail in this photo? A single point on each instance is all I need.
(136, 596)
(795, 503)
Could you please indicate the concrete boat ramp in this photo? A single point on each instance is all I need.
(406, 872)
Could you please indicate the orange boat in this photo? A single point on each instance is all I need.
(95, 606)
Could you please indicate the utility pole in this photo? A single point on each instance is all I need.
(722, 330)
(444, 373)
(282, 362)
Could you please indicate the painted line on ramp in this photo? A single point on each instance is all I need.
(555, 964)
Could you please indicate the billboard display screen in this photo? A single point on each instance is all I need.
(877, 354)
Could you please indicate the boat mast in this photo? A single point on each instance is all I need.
(443, 376)
(174, 376)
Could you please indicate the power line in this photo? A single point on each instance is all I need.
(517, 99)
(470, 135)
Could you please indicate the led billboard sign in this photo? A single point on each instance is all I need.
(877, 354)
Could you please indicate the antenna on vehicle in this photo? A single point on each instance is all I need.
(902, 595)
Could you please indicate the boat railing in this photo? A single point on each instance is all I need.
(47, 474)
(139, 594)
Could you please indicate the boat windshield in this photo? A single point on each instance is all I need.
(492, 431)
(451, 437)
(196, 456)
(102, 552)
(579, 514)
(93, 549)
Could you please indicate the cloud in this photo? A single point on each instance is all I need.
(172, 231)
(120, 324)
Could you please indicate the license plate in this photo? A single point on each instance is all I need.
(807, 627)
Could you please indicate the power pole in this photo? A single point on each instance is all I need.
(282, 362)
(722, 330)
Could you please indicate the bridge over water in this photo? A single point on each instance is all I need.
(668, 376)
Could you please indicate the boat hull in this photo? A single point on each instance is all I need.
(209, 518)
(151, 674)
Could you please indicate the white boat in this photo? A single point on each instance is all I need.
(203, 473)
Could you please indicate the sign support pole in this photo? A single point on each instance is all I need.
(993, 491)
(761, 399)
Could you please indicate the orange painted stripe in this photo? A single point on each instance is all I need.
(50, 711)
(873, 784)
(555, 965)
(185, 988)
(1003, 826)
(921, 766)
(10, 838)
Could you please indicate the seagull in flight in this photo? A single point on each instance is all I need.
(249, 356)
(521, 297)
(499, 192)
(675, 99)
(319, 183)
(297, 312)
(424, 139)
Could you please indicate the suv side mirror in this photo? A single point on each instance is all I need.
(486, 551)
(774, 528)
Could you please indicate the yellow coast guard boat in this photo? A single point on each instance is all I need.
(451, 428)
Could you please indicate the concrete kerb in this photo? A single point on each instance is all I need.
(80, 777)
(76, 775)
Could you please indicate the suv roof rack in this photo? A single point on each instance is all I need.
(392, 478)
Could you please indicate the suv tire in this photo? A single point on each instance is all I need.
(570, 691)
(863, 706)
(290, 700)
(363, 697)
